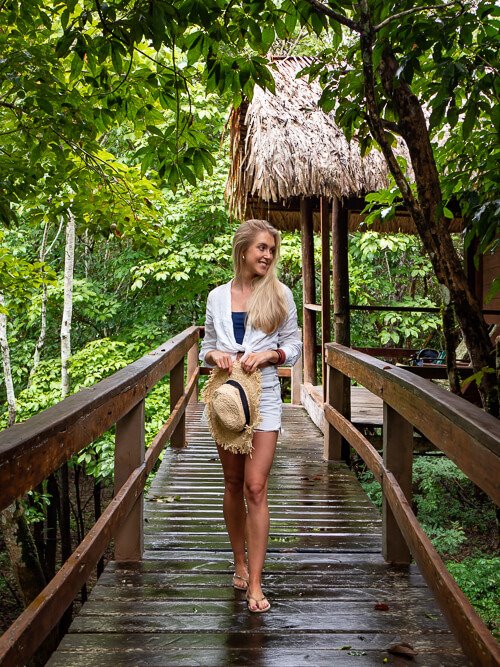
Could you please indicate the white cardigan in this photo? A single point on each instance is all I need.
(219, 332)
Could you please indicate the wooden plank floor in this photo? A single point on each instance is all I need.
(366, 408)
(324, 574)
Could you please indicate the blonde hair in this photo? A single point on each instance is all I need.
(267, 307)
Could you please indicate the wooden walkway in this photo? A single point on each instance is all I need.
(324, 575)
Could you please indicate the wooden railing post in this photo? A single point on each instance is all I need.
(335, 447)
(308, 290)
(178, 438)
(296, 381)
(192, 365)
(296, 378)
(398, 459)
(129, 454)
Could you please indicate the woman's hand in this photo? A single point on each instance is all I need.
(253, 360)
(222, 360)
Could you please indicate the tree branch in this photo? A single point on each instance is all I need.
(390, 125)
(413, 10)
(375, 122)
(340, 18)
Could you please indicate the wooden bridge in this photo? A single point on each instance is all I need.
(338, 575)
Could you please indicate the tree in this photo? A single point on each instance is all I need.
(394, 46)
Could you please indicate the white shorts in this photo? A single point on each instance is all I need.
(270, 409)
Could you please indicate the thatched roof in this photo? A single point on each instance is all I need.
(284, 148)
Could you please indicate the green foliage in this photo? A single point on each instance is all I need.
(391, 270)
(447, 504)
(479, 578)
(447, 500)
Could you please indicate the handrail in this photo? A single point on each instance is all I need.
(456, 427)
(31, 451)
(462, 431)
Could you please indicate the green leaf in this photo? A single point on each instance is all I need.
(469, 120)
(116, 59)
(63, 45)
(76, 67)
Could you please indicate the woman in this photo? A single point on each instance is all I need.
(252, 318)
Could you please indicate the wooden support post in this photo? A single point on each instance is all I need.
(341, 316)
(129, 454)
(325, 285)
(335, 448)
(398, 458)
(340, 259)
(296, 380)
(308, 290)
(192, 365)
(178, 438)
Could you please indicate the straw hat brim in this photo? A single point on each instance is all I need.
(235, 442)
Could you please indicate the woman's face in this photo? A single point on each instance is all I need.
(259, 255)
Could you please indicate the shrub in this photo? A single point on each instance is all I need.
(479, 579)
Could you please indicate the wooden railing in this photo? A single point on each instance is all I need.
(466, 434)
(31, 451)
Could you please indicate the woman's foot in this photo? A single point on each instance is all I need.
(257, 603)
(240, 582)
(240, 577)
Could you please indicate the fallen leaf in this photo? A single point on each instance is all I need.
(403, 649)
(381, 606)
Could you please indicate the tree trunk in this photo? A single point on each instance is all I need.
(51, 534)
(433, 229)
(69, 263)
(22, 552)
(7, 369)
(97, 513)
(450, 337)
(65, 505)
(426, 210)
(43, 314)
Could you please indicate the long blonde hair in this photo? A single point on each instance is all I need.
(267, 307)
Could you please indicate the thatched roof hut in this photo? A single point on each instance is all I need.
(285, 148)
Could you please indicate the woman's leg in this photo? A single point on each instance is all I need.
(257, 471)
(233, 466)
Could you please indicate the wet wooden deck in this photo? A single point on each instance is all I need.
(324, 575)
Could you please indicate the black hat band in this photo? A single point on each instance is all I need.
(244, 401)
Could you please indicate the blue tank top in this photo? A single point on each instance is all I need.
(238, 326)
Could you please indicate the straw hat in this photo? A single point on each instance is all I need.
(233, 407)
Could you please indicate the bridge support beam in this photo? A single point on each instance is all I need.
(178, 438)
(192, 365)
(335, 447)
(129, 454)
(398, 459)
(308, 290)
